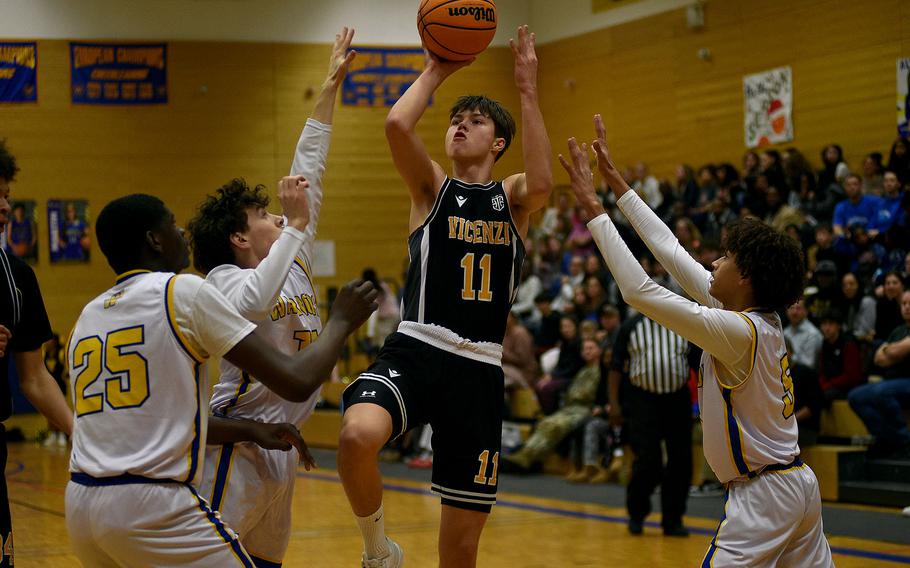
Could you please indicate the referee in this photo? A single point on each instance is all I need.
(657, 408)
(24, 327)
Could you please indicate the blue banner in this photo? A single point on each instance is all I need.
(378, 76)
(18, 72)
(113, 74)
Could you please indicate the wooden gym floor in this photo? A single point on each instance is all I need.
(523, 530)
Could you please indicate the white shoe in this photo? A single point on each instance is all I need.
(394, 558)
(906, 512)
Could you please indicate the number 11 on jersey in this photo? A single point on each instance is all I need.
(467, 290)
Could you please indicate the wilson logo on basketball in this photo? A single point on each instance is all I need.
(480, 14)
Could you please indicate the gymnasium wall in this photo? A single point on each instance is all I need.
(236, 109)
(663, 105)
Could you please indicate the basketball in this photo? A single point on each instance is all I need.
(456, 30)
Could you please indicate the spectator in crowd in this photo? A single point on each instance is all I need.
(777, 213)
(719, 213)
(827, 294)
(553, 216)
(551, 430)
(841, 365)
(887, 307)
(519, 361)
(568, 362)
(802, 334)
(580, 242)
(707, 188)
(751, 169)
(688, 234)
(858, 309)
(529, 288)
(872, 174)
(857, 209)
(547, 334)
(899, 159)
(807, 399)
(686, 186)
(823, 249)
(647, 186)
(609, 325)
(880, 404)
(384, 321)
(800, 177)
(834, 169)
(569, 282)
(857, 246)
(658, 409)
(892, 198)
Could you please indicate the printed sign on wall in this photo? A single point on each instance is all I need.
(378, 76)
(68, 230)
(768, 106)
(18, 72)
(112, 74)
(903, 97)
(21, 235)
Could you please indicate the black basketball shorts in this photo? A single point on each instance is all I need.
(459, 397)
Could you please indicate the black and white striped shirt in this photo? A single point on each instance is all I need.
(656, 356)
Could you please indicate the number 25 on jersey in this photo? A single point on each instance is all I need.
(128, 383)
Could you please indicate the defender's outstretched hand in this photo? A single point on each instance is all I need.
(342, 56)
(582, 178)
(605, 165)
(525, 59)
(354, 303)
(293, 199)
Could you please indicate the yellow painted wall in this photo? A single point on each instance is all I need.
(661, 104)
(246, 124)
(665, 106)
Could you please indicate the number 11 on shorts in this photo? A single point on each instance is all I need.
(484, 459)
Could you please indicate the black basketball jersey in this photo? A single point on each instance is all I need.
(465, 262)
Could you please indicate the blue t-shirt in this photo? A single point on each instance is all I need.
(865, 213)
(890, 212)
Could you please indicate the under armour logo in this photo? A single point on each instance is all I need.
(499, 203)
(393, 373)
(461, 200)
(368, 393)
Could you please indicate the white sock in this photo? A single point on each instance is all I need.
(372, 527)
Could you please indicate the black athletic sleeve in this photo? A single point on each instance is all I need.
(33, 327)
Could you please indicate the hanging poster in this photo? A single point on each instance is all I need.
(768, 107)
(378, 76)
(68, 230)
(903, 97)
(21, 235)
(112, 74)
(18, 72)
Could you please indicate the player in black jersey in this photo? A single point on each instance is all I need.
(443, 365)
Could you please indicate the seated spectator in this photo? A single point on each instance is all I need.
(568, 362)
(530, 287)
(823, 249)
(547, 334)
(647, 186)
(840, 367)
(551, 430)
(807, 399)
(858, 309)
(800, 177)
(580, 242)
(751, 169)
(719, 213)
(688, 234)
(899, 159)
(519, 362)
(805, 338)
(569, 282)
(872, 174)
(827, 292)
(857, 209)
(384, 321)
(879, 404)
(686, 187)
(887, 307)
(609, 325)
(595, 296)
(835, 169)
(777, 213)
(858, 246)
(892, 198)
(552, 215)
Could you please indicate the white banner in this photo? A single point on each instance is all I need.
(768, 107)
(903, 97)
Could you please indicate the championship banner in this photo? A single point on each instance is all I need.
(378, 76)
(112, 74)
(768, 107)
(604, 5)
(68, 230)
(18, 72)
(903, 97)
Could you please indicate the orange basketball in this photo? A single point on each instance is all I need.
(456, 30)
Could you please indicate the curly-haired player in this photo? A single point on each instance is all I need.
(772, 511)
